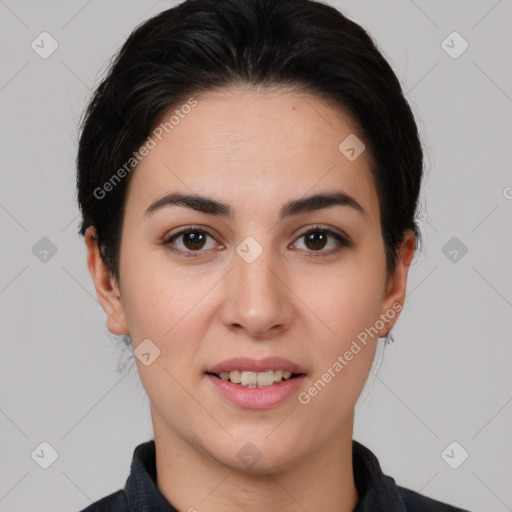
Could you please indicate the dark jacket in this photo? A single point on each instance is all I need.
(377, 492)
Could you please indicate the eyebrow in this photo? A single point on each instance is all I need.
(213, 207)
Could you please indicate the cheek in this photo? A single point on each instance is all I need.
(348, 302)
(162, 309)
(149, 305)
(159, 309)
(344, 354)
(155, 297)
(174, 313)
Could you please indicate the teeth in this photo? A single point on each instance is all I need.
(255, 379)
(235, 376)
(265, 378)
(278, 375)
(249, 379)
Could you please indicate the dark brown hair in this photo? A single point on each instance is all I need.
(201, 45)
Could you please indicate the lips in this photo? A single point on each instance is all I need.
(250, 393)
(256, 365)
(257, 397)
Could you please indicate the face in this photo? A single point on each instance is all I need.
(255, 272)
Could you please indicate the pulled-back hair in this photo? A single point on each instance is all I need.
(203, 45)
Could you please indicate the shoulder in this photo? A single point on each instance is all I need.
(115, 502)
(416, 502)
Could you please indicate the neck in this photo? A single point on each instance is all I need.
(191, 480)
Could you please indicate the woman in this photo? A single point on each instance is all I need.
(248, 176)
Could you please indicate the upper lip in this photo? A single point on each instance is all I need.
(256, 365)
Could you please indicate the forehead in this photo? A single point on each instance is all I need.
(254, 147)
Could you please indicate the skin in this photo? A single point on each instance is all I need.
(255, 150)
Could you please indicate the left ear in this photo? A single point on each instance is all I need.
(394, 295)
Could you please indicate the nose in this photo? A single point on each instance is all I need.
(257, 298)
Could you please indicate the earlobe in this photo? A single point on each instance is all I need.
(106, 286)
(397, 282)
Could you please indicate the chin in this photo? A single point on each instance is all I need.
(256, 453)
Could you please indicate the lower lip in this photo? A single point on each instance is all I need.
(256, 398)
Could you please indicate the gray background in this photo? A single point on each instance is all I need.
(447, 377)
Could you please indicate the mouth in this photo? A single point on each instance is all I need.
(253, 379)
(256, 383)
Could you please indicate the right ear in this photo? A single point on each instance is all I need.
(107, 288)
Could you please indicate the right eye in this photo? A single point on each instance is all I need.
(192, 240)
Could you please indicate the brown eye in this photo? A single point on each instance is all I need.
(193, 240)
(189, 241)
(316, 239)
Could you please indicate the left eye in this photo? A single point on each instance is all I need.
(194, 240)
(316, 239)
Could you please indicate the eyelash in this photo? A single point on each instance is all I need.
(342, 241)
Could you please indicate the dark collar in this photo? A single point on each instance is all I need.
(377, 492)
